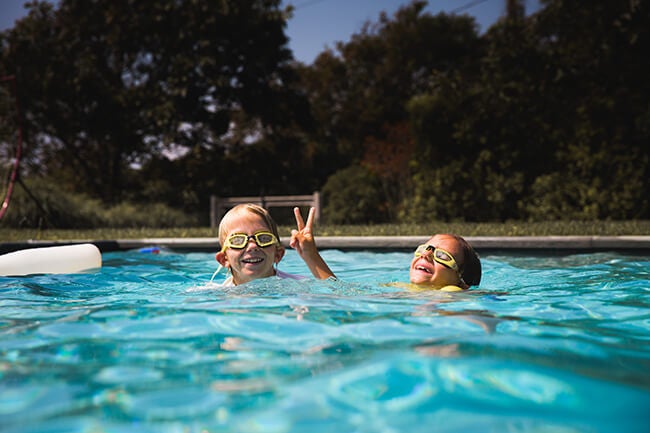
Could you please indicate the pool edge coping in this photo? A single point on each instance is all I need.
(587, 243)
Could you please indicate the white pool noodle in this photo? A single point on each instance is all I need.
(66, 259)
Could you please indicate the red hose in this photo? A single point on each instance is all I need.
(19, 148)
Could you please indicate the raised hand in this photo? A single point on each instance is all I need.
(302, 240)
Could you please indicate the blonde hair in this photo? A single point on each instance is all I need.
(240, 209)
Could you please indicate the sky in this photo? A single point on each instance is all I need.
(319, 24)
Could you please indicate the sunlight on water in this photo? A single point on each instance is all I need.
(545, 344)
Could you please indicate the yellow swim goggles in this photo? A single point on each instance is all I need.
(439, 255)
(239, 241)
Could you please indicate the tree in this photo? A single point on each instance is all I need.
(367, 82)
(596, 82)
(359, 93)
(553, 125)
(105, 84)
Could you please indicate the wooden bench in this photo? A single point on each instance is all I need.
(219, 205)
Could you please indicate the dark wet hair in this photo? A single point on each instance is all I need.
(470, 269)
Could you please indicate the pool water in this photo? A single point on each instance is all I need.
(546, 344)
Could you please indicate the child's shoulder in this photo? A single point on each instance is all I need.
(420, 288)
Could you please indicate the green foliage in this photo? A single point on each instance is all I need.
(365, 85)
(130, 215)
(595, 64)
(544, 129)
(40, 203)
(541, 118)
(560, 197)
(509, 228)
(352, 196)
(103, 84)
(434, 197)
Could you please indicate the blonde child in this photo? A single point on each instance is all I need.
(251, 248)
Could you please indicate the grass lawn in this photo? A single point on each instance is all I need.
(514, 228)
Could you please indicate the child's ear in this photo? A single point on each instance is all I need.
(279, 253)
(222, 259)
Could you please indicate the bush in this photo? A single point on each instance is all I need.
(130, 215)
(353, 196)
(40, 203)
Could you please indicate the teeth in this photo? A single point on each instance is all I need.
(252, 260)
(422, 268)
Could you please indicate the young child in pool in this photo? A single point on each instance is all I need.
(445, 262)
(251, 247)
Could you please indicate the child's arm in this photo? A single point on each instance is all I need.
(303, 242)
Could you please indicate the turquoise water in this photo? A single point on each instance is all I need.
(546, 344)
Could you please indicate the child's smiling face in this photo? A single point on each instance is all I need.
(425, 271)
(252, 261)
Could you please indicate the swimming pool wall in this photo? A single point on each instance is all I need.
(483, 244)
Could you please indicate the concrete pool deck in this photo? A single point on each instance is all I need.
(480, 243)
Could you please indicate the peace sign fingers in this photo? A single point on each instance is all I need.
(300, 222)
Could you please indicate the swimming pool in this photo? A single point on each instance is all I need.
(547, 343)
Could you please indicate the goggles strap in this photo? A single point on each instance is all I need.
(215, 273)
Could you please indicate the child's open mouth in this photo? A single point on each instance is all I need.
(253, 260)
(423, 266)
